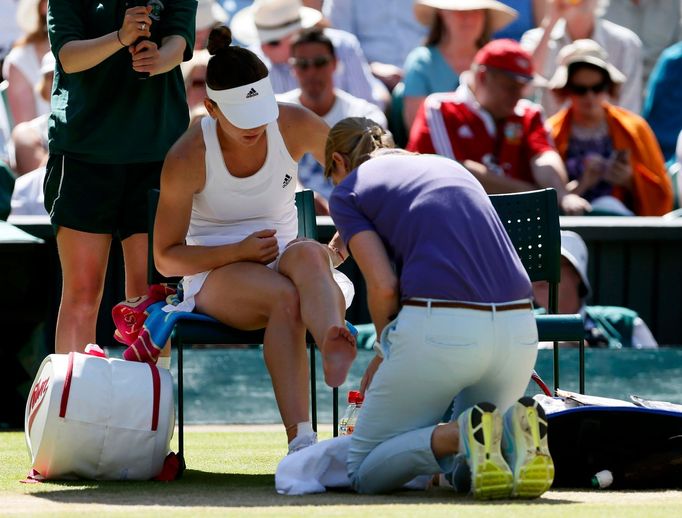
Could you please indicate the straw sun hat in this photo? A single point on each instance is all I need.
(498, 13)
(583, 51)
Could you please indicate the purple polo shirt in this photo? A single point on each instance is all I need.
(438, 226)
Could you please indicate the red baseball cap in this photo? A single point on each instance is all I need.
(508, 56)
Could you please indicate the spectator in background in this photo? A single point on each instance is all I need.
(29, 138)
(531, 13)
(605, 326)
(611, 154)
(386, 29)
(209, 14)
(570, 20)
(656, 22)
(492, 131)
(21, 67)
(663, 103)
(268, 26)
(457, 30)
(194, 75)
(9, 29)
(314, 62)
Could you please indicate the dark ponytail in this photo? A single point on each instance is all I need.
(231, 66)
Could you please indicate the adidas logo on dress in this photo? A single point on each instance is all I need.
(287, 179)
(252, 93)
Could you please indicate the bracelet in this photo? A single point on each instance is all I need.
(118, 37)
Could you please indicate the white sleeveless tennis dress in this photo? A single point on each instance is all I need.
(229, 209)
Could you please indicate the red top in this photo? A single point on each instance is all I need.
(455, 126)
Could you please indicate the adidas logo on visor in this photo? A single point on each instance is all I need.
(252, 93)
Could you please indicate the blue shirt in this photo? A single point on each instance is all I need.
(427, 72)
(525, 21)
(663, 104)
(437, 225)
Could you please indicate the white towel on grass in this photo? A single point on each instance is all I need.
(321, 466)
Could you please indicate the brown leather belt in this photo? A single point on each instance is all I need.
(465, 305)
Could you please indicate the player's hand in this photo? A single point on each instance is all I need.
(260, 247)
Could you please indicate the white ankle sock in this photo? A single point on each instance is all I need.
(163, 362)
(304, 428)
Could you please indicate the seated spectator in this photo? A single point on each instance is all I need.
(457, 30)
(314, 62)
(570, 20)
(21, 67)
(29, 138)
(209, 14)
(531, 13)
(663, 103)
(498, 136)
(268, 27)
(376, 24)
(610, 153)
(194, 76)
(605, 326)
(656, 22)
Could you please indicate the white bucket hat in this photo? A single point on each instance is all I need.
(583, 51)
(574, 249)
(272, 20)
(499, 14)
(209, 13)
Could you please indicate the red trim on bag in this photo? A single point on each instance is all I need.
(67, 386)
(156, 382)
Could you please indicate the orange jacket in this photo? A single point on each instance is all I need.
(652, 192)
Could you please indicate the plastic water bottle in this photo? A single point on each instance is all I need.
(347, 422)
(602, 480)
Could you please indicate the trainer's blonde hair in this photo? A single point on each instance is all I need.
(356, 138)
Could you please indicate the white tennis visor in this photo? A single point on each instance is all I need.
(247, 106)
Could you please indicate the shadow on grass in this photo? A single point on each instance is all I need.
(204, 489)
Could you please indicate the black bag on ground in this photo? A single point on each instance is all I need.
(642, 447)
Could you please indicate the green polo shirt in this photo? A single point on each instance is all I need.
(106, 114)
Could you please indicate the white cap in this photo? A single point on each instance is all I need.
(247, 106)
(574, 249)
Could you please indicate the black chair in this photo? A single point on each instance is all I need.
(194, 332)
(532, 222)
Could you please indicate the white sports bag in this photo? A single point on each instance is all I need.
(93, 417)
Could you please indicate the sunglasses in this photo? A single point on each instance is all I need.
(583, 89)
(305, 63)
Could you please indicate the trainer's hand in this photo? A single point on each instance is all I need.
(260, 247)
(136, 25)
(369, 373)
